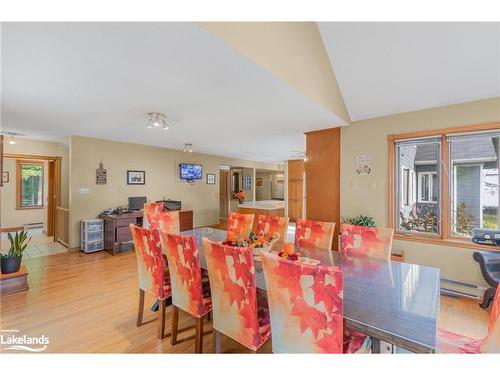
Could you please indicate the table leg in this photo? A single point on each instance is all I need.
(217, 338)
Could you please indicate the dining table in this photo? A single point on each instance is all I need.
(393, 302)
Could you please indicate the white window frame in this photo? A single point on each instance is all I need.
(432, 176)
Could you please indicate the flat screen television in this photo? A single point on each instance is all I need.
(190, 171)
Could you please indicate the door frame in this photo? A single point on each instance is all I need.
(54, 199)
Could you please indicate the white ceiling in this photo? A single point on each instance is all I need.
(386, 68)
(100, 80)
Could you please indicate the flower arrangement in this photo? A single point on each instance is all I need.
(253, 241)
(240, 195)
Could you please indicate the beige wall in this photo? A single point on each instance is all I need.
(263, 193)
(368, 194)
(9, 216)
(292, 51)
(162, 179)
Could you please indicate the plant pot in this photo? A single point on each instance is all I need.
(240, 201)
(11, 264)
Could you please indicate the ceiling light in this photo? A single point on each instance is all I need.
(157, 119)
(188, 147)
(12, 140)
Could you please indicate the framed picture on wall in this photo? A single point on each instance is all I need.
(211, 178)
(136, 177)
(258, 181)
(5, 177)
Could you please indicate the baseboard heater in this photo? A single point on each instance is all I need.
(447, 291)
(32, 225)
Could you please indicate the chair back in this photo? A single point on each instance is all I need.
(150, 262)
(362, 242)
(185, 273)
(167, 221)
(491, 343)
(305, 303)
(314, 234)
(234, 294)
(239, 225)
(272, 227)
(149, 212)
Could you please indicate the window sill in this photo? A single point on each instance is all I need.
(444, 242)
(30, 208)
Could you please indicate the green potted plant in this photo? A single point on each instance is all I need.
(360, 220)
(11, 261)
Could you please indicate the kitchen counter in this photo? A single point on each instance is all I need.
(272, 208)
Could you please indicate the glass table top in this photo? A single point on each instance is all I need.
(394, 301)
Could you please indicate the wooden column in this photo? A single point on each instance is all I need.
(295, 188)
(323, 177)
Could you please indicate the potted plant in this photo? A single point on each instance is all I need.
(240, 195)
(11, 261)
(360, 220)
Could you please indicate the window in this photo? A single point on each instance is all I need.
(427, 187)
(29, 185)
(418, 213)
(446, 183)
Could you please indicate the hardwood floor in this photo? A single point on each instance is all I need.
(87, 303)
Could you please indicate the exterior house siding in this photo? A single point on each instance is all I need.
(468, 179)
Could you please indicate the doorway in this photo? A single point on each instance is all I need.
(29, 201)
(224, 193)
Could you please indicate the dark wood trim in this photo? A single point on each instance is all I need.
(10, 229)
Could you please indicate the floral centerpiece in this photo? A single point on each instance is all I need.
(256, 242)
(240, 195)
(288, 252)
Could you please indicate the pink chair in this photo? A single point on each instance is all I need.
(239, 225)
(165, 221)
(305, 303)
(149, 212)
(272, 227)
(357, 241)
(311, 233)
(236, 312)
(189, 293)
(449, 342)
(151, 270)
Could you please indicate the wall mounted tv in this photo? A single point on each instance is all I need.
(190, 171)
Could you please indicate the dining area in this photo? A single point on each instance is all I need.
(257, 282)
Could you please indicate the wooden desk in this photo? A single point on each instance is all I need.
(117, 231)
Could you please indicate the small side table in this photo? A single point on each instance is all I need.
(14, 282)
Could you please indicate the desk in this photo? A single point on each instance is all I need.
(116, 227)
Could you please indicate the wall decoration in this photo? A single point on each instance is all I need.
(136, 177)
(100, 175)
(211, 178)
(5, 177)
(258, 181)
(363, 164)
(247, 183)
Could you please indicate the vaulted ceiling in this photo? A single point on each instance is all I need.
(239, 90)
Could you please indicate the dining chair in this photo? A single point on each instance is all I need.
(305, 304)
(312, 233)
(237, 310)
(368, 242)
(151, 270)
(239, 225)
(449, 342)
(150, 210)
(189, 292)
(272, 227)
(167, 221)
